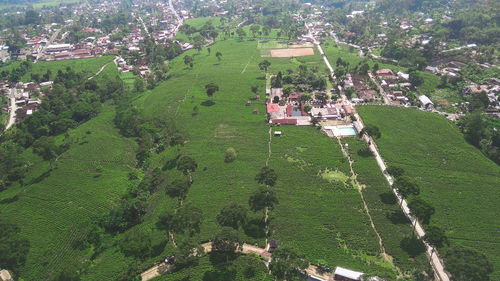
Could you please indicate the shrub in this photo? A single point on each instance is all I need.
(230, 155)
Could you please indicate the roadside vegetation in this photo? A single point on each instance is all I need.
(453, 176)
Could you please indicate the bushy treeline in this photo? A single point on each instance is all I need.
(482, 132)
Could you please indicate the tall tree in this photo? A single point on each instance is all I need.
(187, 218)
(255, 28)
(233, 215)
(46, 148)
(466, 264)
(422, 209)
(288, 265)
(263, 199)
(211, 88)
(435, 236)
(186, 165)
(227, 242)
(241, 33)
(13, 247)
(406, 186)
(264, 65)
(267, 176)
(187, 253)
(136, 243)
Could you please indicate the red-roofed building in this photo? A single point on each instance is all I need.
(294, 96)
(347, 109)
(273, 108)
(284, 121)
(384, 72)
(82, 52)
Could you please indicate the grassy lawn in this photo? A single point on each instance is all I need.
(87, 66)
(453, 175)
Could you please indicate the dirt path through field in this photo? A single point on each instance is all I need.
(383, 253)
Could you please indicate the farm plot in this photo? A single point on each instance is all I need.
(288, 53)
(388, 218)
(87, 66)
(459, 181)
(53, 208)
(321, 217)
(213, 127)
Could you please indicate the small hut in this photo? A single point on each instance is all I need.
(274, 244)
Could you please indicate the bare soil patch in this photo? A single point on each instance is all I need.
(287, 53)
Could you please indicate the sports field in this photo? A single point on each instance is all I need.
(287, 53)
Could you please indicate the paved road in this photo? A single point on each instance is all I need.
(12, 109)
(436, 263)
(179, 19)
(247, 249)
(381, 90)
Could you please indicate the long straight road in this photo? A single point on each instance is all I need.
(432, 254)
(179, 19)
(12, 109)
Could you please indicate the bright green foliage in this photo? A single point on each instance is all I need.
(467, 264)
(288, 265)
(435, 236)
(233, 215)
(267, 176)
(13, 247)
(454, 175)
(422, 209)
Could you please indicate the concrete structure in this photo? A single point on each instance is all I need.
(346, 274)
(425, 101)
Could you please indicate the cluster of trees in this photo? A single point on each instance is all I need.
(304, 80)
(463, 263)
(479, 130)
(286, 263)
(72, 100)
(17, 73)
(13, 247)
(405, 55)
(475, 24)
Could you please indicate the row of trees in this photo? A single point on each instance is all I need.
(463, 263)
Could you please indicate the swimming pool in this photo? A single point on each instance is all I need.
(342, 131)
(296, 112)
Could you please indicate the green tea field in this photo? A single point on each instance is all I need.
(454, 176)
